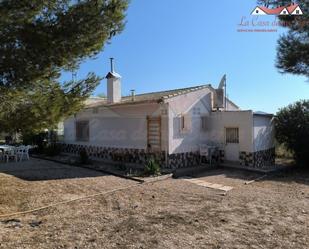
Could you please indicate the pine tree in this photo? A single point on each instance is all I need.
(293, 47)
(39, 39)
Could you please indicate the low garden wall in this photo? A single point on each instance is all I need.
(258, 159)
(140, 156)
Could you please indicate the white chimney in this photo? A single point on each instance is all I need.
(113, 85)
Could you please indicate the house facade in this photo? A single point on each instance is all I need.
(170, 126)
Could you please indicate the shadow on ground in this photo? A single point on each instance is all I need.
(288, 175)
(38, 170)
(291, 175)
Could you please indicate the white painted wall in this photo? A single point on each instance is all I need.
(218, 121)
(119, 126)
(125, 126)
(113, 89)
(201, 100)
(188, 104)
(263, 131)
(231, 106)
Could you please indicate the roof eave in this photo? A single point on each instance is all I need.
(166, 98)
(264, 114)
(153, 101)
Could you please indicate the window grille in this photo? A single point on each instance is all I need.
(232, 135)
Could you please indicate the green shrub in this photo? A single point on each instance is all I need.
(292, 130)
(121, 166)
(283, 152)
(38, 139)
(152, 167)
(52, 149)
(83, 156)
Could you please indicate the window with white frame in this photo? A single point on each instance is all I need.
(82, 130)
(232, 135)
(185, 123)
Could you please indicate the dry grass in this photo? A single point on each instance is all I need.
(272, 213)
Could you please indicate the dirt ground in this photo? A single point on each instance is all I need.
(174, 213)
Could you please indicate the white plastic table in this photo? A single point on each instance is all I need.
(6, 148)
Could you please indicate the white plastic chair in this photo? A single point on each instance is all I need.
(23, 151)
(26, 152)
(20, 152)
(10, 154)
(1, 155)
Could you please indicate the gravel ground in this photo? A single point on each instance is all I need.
(271, 213)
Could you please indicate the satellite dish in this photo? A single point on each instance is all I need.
(222, 82)
(220, 93)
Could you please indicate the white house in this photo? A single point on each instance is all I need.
(169, 125)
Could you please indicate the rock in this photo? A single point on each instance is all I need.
(35, 223)
(12, 223)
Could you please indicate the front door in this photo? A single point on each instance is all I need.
(154, 133)
(232, 144)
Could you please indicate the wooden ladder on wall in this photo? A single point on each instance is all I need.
(154, 133)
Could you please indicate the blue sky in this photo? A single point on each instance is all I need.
(170, 44)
